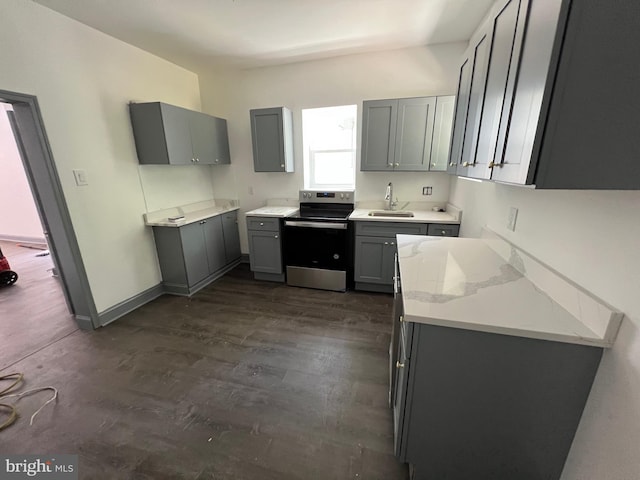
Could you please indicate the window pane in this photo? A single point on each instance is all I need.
(329, 145)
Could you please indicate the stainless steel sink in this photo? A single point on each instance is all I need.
(390, 213)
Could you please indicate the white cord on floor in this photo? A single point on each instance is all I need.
(36, 390)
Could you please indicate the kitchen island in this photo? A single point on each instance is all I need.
(494, 359)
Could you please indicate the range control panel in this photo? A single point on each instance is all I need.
(323, 196)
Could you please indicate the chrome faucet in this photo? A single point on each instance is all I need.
(389, 197)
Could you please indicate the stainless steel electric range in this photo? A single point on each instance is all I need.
(316, 241)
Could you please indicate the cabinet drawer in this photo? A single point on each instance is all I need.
(265, 224)
(443, 230)
(391, 229)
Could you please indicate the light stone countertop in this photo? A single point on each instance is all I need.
(490, 285)
(272, 211)
(422, 213)
(193, 212)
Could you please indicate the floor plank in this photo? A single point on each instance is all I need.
(244, 380)
(33, 311)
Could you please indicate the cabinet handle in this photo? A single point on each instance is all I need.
(399, 365)
(493, 164)
(401, 318)
(197, 159)
(193, 160)
(204, 221)
(443, 232)
(397, 164)
(433, 164)
(390, 164)
(466, 164)
(275, 236)
(386, 243)
(451, 164)
(261, 224)
(392, 243)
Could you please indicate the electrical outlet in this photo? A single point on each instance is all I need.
(511, 221)
(81, 177)
(427, 190)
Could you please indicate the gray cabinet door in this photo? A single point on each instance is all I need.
(221, 153)
(271, 137)
(203, 142)
(508, 26)
(231, 236)
(161, 133)
(460, 119)
(214, 240)
(442, 128)
(265, 253)
(481, 48)
(379, 120)
(194, 252)
(374, 258)
(414, 133)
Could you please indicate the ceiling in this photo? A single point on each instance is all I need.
(204, 34)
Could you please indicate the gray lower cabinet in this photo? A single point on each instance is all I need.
(375, 248)
(265, 248)
(469, 404)
(272, 139)
(527, 122)
(169, 135)
(194, 255)
(231, 236)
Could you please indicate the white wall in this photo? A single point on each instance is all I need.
(83, 80)
(338, 81)
(592, 238)
(19, 218)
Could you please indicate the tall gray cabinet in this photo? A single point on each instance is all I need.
(168, 135)
(272, 139)
(547, 96)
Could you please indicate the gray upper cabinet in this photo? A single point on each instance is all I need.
(479, 56)
(508, 28)
(460, 117)
(170, 135)
(272, 139)
(414, 133)
(559, 105)
(442, 128)
(379, 119)
(398, 134)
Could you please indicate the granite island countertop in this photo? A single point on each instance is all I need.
(490, 285)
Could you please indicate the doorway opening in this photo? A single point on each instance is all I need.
(26, 314)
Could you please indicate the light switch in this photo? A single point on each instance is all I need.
(81, 177)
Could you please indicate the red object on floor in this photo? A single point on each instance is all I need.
(7, 276)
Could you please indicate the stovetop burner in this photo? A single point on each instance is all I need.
(326, 205)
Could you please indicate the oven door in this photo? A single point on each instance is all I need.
(315, 253)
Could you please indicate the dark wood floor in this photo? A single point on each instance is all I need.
(245, 380)
(33, 312)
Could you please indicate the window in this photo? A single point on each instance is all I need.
(329, 146)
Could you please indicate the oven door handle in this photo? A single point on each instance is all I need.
(325, 225)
